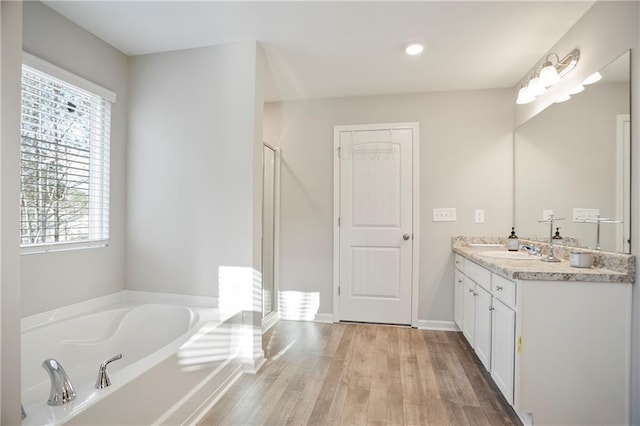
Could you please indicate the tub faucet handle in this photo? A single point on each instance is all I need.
(103, 377)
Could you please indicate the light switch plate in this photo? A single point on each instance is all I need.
(447, 214)
(479, 216)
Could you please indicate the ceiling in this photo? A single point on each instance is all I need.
(317, 49)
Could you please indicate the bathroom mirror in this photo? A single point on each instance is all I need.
(573, 159)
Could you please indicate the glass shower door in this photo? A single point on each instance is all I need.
(268, 230)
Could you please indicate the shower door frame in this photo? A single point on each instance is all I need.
(270, 319)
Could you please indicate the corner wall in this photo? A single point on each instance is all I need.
(193, 157)
(465, 162)
(10, 71)
(52, 280)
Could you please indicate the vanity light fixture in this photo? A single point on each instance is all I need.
(549, 75)
(414, 49)
(593, 78)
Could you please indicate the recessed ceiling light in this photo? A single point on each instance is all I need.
(414, 49)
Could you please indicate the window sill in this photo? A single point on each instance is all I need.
(58, 247)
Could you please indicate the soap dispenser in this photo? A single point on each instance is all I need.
(512, 241)
(557, 239)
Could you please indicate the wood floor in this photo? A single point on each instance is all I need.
(354, 374)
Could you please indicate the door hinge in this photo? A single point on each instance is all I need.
(338, 290)
(519, 349)
(339, 152)
(339, 222)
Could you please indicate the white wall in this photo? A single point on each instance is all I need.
(10, 70)
(57, 279)
(466, 162)
(193, 155)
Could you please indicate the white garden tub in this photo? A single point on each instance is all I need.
(177, 358)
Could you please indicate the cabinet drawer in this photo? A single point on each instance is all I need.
(477, 273)
(504, 289)
(459, 262)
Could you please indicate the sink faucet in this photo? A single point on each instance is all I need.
(62, 390)
(533, 250)
(550, 257)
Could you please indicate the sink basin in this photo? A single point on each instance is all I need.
(503, 254)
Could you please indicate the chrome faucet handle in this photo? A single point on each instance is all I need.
(531, 249)
(62, 390)
(103, 377)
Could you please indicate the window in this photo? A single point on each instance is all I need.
(64, 193)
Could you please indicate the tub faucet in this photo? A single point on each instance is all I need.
(103, 377)
(62, 390)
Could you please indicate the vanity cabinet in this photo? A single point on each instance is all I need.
(557, 350)
(487, 303)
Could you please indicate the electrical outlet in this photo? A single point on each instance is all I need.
(444, 214)
(479, 215)
(581, 214)
(546, 214)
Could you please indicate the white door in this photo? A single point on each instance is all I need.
(469, 310)
(459, 298)
(483, 326)
(375, 223)
(503, 350)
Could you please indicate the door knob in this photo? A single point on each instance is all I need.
(406, 237)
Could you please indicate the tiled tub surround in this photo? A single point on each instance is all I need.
(554, 338)
(607, 266)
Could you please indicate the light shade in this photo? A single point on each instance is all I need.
(578, 89)
(536, 88)
(592, 78)
(524, 96)
(414, 49)
(549, 75)
(563, 98)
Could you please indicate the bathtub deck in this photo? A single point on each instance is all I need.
(363, 374)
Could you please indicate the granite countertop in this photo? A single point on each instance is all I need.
(537, 270)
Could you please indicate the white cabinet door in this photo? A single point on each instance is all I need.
(469, 310)
(503, 348)
(483, 326)
(459, 298)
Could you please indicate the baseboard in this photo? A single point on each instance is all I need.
(269, 321)
(252, 366)
(323, 318)
(202, 411)
(437, 325)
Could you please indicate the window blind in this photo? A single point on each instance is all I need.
(65, 130)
